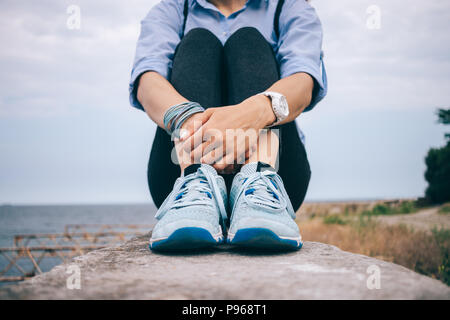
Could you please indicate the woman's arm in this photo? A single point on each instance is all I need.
(158, 39)
(249, 116)
(298, 90)
(156, 95)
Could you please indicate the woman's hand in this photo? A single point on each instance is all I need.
(192, 124)
(226, 136)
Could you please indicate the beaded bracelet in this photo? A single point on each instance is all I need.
(176, 115)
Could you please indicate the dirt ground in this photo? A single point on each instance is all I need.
(425, 220)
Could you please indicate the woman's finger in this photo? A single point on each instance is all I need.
(193, 124)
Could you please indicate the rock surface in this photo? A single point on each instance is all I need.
(317, 271)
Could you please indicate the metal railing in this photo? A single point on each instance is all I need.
(24, 259)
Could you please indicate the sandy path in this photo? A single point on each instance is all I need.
(423, 220)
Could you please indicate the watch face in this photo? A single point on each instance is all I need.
(284, 108)
(279, 105)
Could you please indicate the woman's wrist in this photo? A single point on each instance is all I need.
(262, 106)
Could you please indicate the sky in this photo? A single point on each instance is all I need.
(68, 134)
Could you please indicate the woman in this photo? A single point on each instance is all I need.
(208, 70)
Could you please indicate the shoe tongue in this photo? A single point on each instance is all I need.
(194, 167)
(191, 169)
(253, 167)
(209, 168)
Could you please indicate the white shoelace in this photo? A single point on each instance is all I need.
(259, 189)
(199, 188)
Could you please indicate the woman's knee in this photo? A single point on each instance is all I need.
(244, 35)
(197, 67)
(200, 37)
(249, 63)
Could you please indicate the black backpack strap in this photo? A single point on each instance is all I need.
(276, 19)
(185, 14)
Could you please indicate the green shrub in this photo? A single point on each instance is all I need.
(382, 209)
(438, 174)
(445, 209)
(407, 207)
(442, 238)
(334, 219)
(438, 167)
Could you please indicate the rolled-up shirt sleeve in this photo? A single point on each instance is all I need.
(300, 46)
(160, 34)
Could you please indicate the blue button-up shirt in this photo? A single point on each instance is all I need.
(298, 49)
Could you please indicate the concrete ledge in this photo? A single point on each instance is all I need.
(317, 271)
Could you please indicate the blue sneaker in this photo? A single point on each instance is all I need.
(262, 214)
(192, 214)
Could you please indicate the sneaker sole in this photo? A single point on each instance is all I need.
(261, 238)
(186, 239)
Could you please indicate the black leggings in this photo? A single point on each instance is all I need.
(214, 75)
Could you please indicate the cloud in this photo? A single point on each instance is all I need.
(403, 65)
(48, 68)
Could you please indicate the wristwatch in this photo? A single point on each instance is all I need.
(279, 106)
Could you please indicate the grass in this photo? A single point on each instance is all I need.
(334, 219)
(424, 252)
(445, 209)
(404, 207)
(443, 240)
